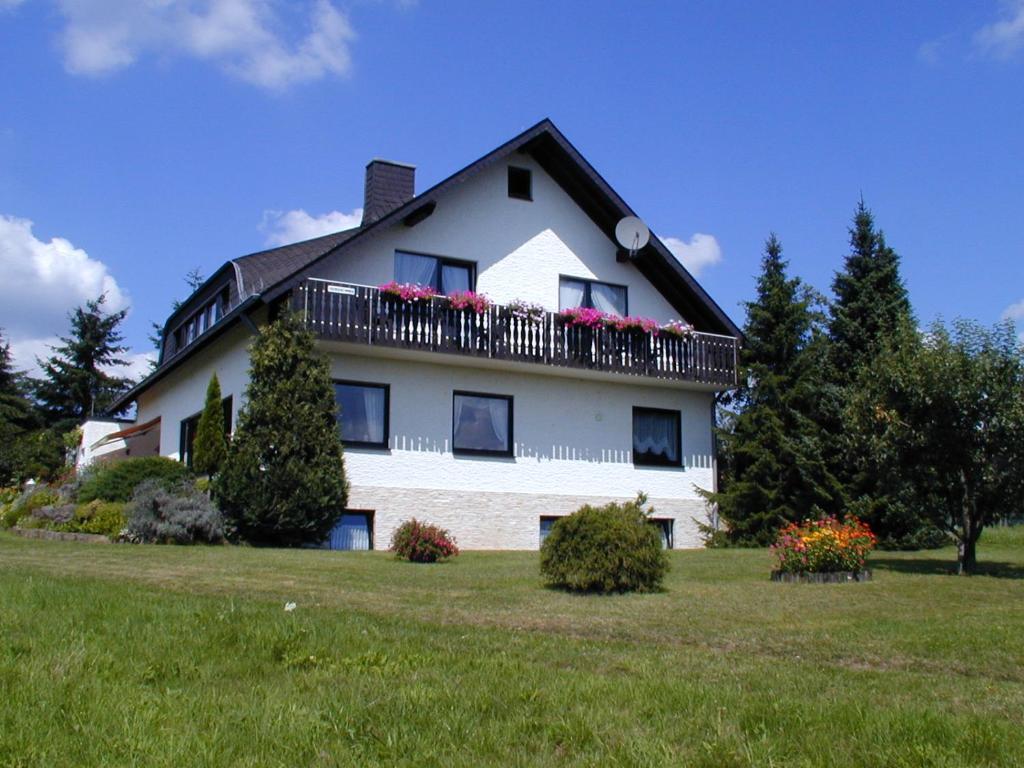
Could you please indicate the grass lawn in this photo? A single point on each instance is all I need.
(136, 655)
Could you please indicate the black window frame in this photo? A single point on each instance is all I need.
(514, 183)
(588, 300)
(383, 445)
(208, 315)
(442, 261)
(645, 460)
(189, 426)
(510, 451)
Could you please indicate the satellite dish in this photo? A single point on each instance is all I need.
(632, 234)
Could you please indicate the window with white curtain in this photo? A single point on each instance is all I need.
(656, 437)
(574, 292)
(362, 413)
(482, 424)
(443, 275)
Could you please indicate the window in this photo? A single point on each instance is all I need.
(665, 532)
(656, 437)
(482, 424)
(362, 413)
(575, 292)
(353, 531)
(546, 524)
(443, 275)
(520, 183)
(191, 424)
(202, 320)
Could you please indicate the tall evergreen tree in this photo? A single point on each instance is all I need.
(871, 303)
(284, 478)
(76, 384)
(211, 444)
(870, 311)
(775, 472)
(17, 419)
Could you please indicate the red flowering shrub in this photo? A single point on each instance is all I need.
(823, 546)
(478, 302)
(407, 291)
(422, 543)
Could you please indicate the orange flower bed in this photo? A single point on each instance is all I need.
(823, 546)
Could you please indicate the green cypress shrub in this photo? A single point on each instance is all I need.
(604, 549)
(117, 480)
(211, 446)
(283, 481)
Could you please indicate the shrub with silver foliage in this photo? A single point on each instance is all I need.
(180, 514)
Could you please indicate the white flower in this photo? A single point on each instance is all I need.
(289, 606)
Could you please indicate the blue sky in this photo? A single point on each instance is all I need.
(141, 139)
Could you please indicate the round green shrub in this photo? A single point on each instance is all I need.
(106, 518)
(117, 480)
(178, 514)
(604, 549)
(422, 543)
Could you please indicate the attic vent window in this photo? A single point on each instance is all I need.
(520, 183)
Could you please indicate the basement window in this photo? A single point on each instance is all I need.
(520, 183)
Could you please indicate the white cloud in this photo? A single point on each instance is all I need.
(140, 365)
(1015, 312)
(244, 37)
(701, 252)
(42, 282)
(284, 227)
(1005, 37)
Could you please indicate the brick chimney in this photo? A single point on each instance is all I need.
(388, 185)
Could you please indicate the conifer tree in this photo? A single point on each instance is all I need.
(283, 481)
(17, 419)
(871, 303)
(211, 445)
(76, 384)
(870, 311)
(775, 471)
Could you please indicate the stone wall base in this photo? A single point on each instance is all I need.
(42, 533)
(483, 520)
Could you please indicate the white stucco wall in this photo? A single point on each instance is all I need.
(182, 392)
(520, 247)
(573, 443)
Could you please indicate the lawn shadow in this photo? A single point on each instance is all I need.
(944, 567)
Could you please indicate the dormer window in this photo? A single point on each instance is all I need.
(520, 183)
(200, 321)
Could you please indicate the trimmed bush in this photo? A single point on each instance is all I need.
(422, 543)
(106, 518)
(117, 480)
(176, 515)
(604, 549)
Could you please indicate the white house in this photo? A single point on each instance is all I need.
(490, 424)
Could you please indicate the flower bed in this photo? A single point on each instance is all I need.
(816, 549)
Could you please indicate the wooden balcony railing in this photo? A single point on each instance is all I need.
(363, 315)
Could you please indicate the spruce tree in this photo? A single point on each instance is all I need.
(76, 384)
(283, 481)
(211, 445)
(775, 472)
(17, 419)
(871, 303)
(870, 311)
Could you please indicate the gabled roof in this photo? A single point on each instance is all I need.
(259, 271)
(564, 163)
(266, 275)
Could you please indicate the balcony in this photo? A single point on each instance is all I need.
(362, 315)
